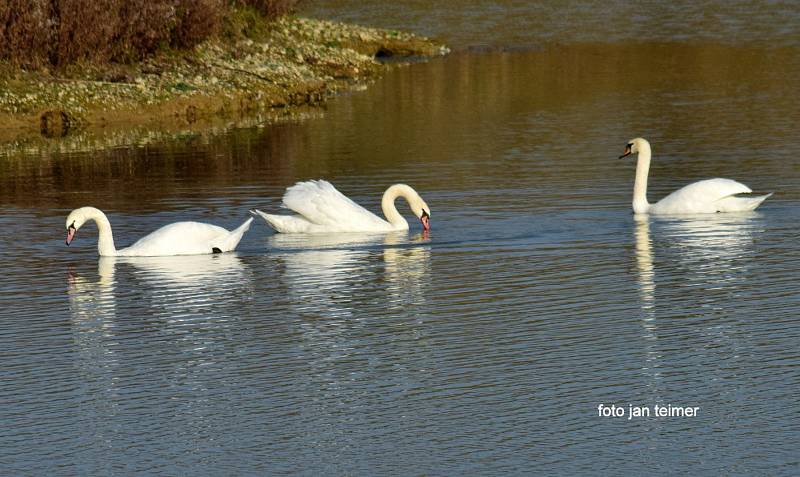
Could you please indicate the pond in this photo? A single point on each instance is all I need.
(484, 347)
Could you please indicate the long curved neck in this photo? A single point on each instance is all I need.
(640, 204)
(105, 241)
(389, 209)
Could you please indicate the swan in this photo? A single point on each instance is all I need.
(179, 238)
(702, 197)
(321, 208)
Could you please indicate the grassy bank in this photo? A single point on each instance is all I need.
(55, 33)
(254, 67)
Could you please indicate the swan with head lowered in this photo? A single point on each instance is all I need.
(702, 197)
(179, 238)
(320, 208)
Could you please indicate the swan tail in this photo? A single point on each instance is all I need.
(741, 204)
(229, 242)
(284, 223)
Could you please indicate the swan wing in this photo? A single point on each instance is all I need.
(700, 197)
(329, 210)
(186, 238)
(285, 223)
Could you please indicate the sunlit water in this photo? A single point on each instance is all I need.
(484, 348)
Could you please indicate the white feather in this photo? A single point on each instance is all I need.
(320, 208)
(185, 238)
(702, 197)
(179, 238)
(319, 203)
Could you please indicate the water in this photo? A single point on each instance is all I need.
(484, 348)
(515, 23)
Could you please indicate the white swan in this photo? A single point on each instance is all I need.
(179, 238)
(702, 197)
(323, 209)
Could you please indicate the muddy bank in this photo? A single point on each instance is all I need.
(282, 71)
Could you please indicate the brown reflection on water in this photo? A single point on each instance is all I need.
(523, 23)
(452, 122)
(133, 177)
(685, 87)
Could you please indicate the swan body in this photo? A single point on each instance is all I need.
(702, 197)
(320, 208)
(179, 238)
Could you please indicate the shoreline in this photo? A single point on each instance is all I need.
(287, 70)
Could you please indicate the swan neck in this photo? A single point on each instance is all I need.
(105, 240)
(389, 208)
(640, 204)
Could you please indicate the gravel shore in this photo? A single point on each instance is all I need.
(294, 64)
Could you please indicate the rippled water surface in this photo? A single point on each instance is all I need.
(484, 348)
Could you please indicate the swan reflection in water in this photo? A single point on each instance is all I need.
(645, 279)
(644, 264)
(196, 288)
(91, 300)
(711, 246)
(171, 316)
(407, 271)
(188, 271)
(175, 295)
(348, 292)
(704, 250)
(165, 286)
(93, 312)
(712, 258)
(704, 254)
(337, 275)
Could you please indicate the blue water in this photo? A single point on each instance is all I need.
(484, 348)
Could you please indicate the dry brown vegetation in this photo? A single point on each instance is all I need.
(270, 8)
(55, 33)
(124, 67)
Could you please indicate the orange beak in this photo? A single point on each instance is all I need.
(426, 221)
(70, 235)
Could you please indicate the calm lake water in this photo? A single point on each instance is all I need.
(484, 348)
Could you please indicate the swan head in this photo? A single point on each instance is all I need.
(422, 211)
(634, 146)
(75, 220)
(415, 202)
